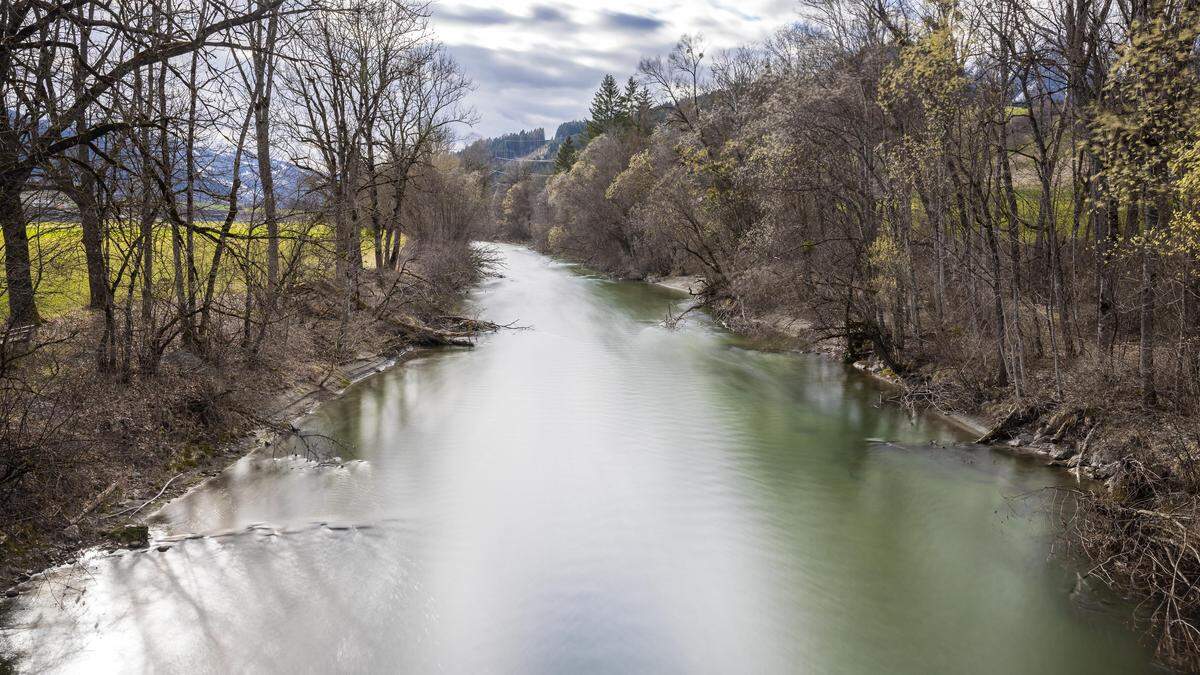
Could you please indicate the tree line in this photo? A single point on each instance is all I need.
(205, 203)
(1017, 176)
(114, 116)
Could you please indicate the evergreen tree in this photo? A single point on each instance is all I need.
(572, 128)
(566, 156)
(643, 111)
(607, 108)
(629, 100)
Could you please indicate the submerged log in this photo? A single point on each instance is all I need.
(458, 331)
(463, 323)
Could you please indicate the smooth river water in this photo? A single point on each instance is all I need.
(596, 494)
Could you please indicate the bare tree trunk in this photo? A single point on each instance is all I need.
(373, 194)
(182, 242)
(149, 214)
(1107, 230)
(127, 341)
(84, 194)
(93, 237)
(341, 235)
(22, 308)
(1002, 376)
(1059, 282)
(1013, 216)
(400, 185)
(264, 70)
(1012, 213)
(1150, 214)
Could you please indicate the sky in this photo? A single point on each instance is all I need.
(536, 63)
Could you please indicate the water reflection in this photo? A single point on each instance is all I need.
(596, 494)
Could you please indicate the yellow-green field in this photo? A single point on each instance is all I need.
(60, 269)
(1028, 207)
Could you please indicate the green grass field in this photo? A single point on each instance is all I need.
(1028, 206)
(60, 269)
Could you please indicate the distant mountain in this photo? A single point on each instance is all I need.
(528, 147)
(216, 176)
(516, 145)
(575, 128)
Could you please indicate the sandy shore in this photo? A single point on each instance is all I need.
(692, 285)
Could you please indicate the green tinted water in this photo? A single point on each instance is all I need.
(596, 494)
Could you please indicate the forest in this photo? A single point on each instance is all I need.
(993, 204)
(206, 205)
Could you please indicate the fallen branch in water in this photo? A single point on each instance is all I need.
(477, 325)
(671, 321)
(460, 331)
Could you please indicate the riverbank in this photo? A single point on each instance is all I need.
(1002, 423)
(156, 438)
(797, 334)
(1149, 506)
(114, 514)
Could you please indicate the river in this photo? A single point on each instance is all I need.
(595, 494)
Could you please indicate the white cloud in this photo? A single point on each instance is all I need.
(537, 63)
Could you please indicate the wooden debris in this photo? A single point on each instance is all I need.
(93, 504)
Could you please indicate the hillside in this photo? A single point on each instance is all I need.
(530, 148)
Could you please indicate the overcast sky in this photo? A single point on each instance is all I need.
(536, 64)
